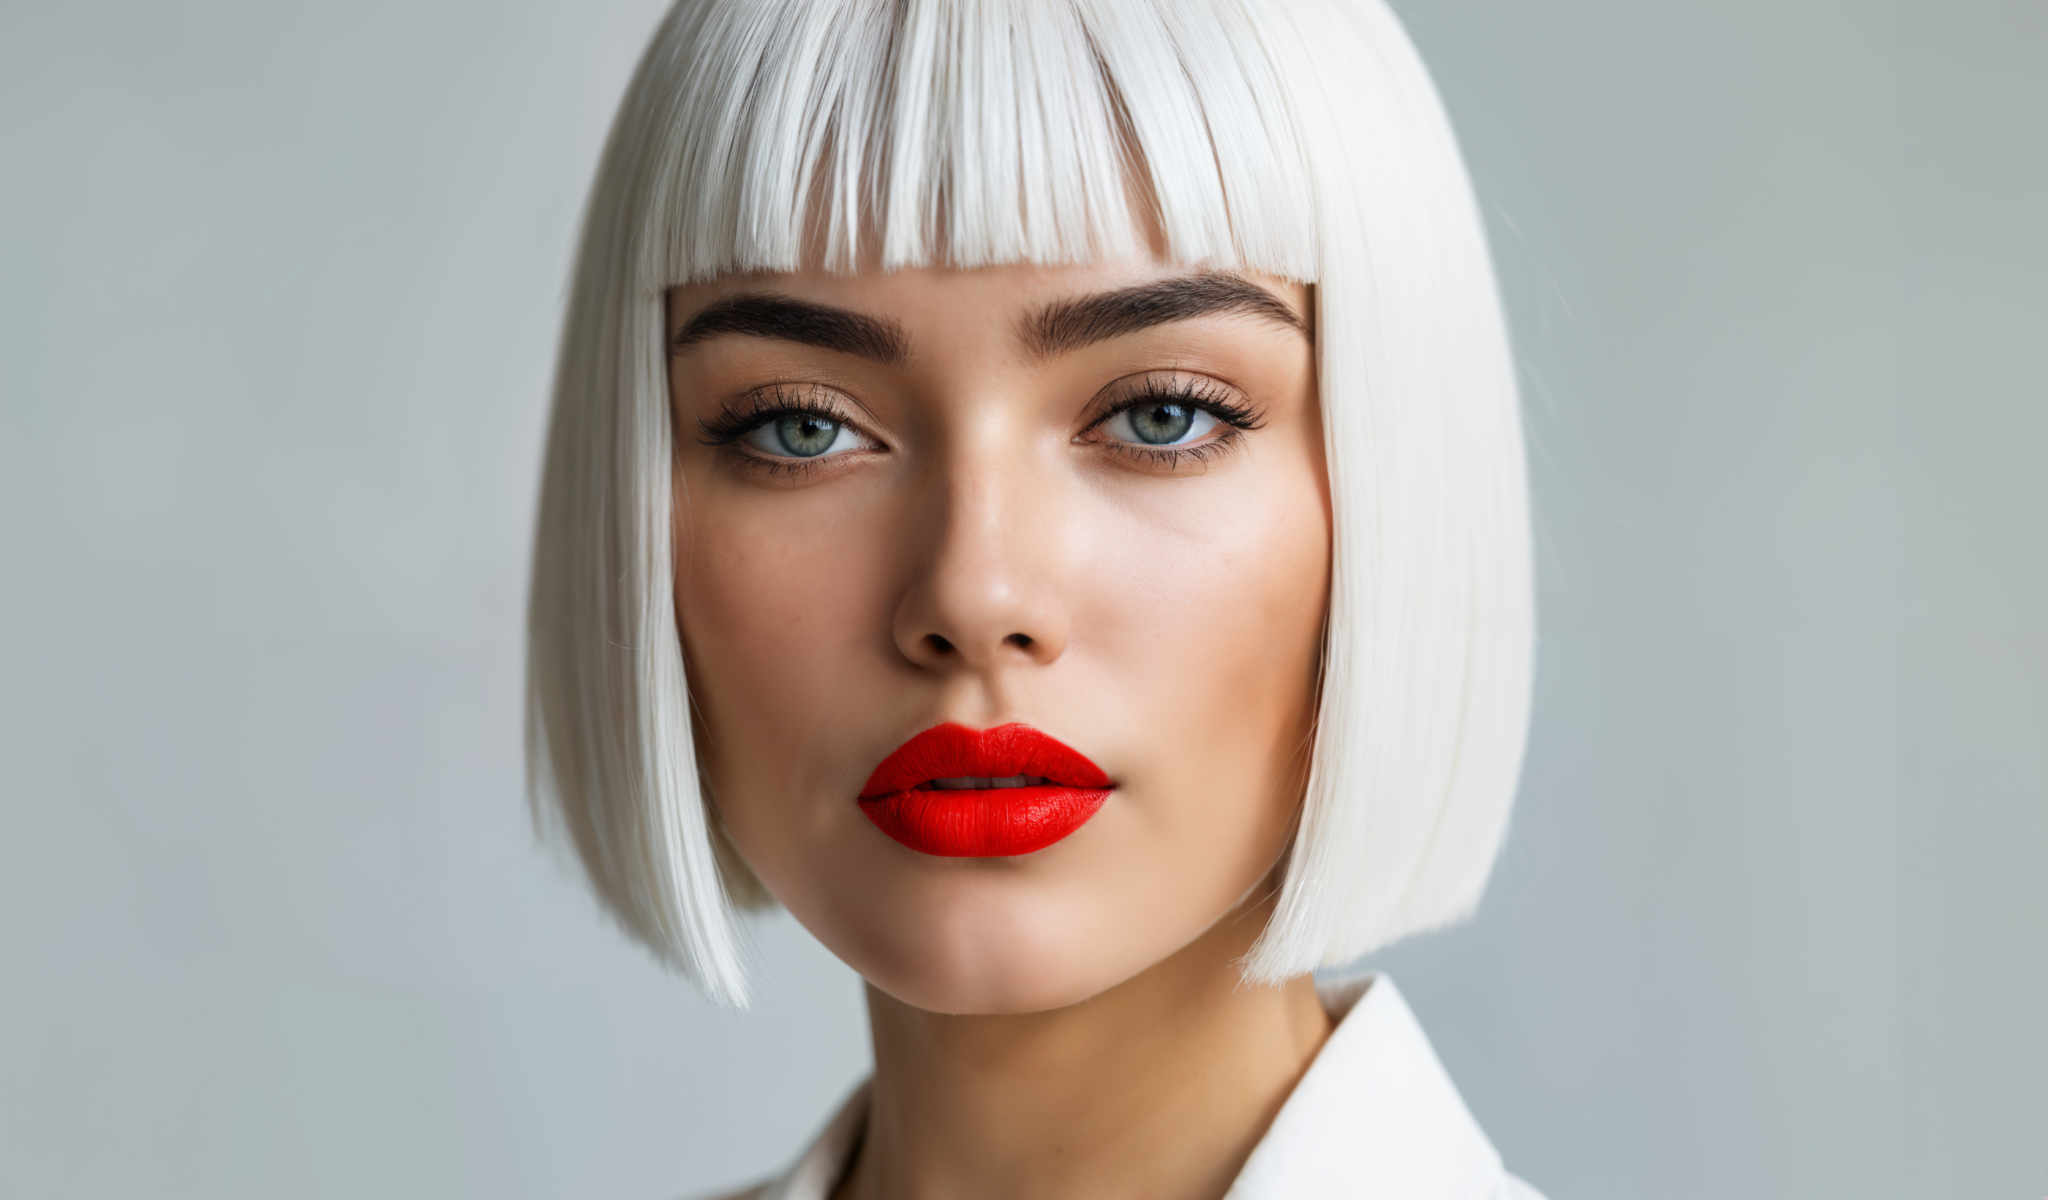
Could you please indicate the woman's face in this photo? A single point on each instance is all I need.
(972, 528)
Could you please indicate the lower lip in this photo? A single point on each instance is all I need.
(983, 822)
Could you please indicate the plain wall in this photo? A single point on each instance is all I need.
(278, 298)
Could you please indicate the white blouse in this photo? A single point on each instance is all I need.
(1374, 1115)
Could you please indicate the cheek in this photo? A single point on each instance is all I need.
(1221, 609)
(768, 606)
(1215, 627)
(1269, 613)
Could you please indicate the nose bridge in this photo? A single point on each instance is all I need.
(985, 585)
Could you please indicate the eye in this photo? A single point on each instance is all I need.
(1156, 422)
(782, 430)
(1164, 414)
(800, 434)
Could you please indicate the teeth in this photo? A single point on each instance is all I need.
(977, 781)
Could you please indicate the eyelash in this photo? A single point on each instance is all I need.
(760, 407)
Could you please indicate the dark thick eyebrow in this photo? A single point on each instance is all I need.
(1059, 327)
(1067, 325)
(785, 318)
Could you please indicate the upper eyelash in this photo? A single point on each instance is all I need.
(731, 424)
(759, 406)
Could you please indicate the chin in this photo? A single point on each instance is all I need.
(946, 992)
(981, 961)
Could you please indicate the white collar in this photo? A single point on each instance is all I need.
(1374, 1114)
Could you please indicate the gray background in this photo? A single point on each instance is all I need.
(280, 287)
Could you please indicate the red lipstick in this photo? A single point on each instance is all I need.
(983, 822)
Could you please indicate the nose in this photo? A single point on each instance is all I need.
(988, 569)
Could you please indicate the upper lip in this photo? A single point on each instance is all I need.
(953, 750)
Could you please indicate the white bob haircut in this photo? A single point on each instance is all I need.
(1302, 139)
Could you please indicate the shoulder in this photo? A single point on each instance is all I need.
(1512, 1188)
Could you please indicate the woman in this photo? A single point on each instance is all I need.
(1035, 489)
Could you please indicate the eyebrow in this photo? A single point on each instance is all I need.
(1059, 327)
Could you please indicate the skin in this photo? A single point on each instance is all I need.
(1066, 1023)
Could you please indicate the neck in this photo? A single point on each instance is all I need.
(1160, 1086)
